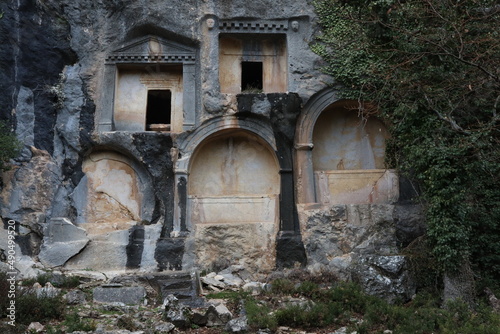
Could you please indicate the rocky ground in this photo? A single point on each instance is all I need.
(229, 301)
(218, 308)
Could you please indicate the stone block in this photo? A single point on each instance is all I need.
(62, 241)
(116, 294)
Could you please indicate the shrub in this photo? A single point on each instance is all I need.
(259, 315)
(10, 146)
(31, 308)
(74, 323)
(282, 286)
(127, 322)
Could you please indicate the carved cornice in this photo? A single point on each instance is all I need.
(253, 26)
(141, 58)
(151, 49)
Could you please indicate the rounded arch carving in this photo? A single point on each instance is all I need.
(115, 193)
(233, 193)
(339, 156)
(312, 109)
(216, 125)
(234, 162)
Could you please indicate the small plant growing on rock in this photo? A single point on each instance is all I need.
(10, 146)
(74, 323)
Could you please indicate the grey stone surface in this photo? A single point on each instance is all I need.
(62, 240)
(25, 115)
(237, 325)
(47, 291)
(126, 295)
(75, 297)
(165, 327)
(218, 314)
(387, 277)
(176, 313)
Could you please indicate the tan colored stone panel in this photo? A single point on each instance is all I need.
(233, 166)
(113, 196)
(230, 51)
(275, 66)
(130, 101)
(357, 187)
(342, 140)
(248, 209)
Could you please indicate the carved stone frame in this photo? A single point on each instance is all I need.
(149, 51)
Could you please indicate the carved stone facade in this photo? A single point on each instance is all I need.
(214, 140)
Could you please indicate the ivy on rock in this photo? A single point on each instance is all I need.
(431, 69)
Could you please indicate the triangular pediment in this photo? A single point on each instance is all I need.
(151, 45)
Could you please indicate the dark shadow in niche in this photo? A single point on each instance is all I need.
(135, 247)
(251, 76)
(159, 107)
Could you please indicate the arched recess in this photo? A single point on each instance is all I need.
(233, 201)
(187, 147)
(114, 194)
(339, 156)
(230, 177)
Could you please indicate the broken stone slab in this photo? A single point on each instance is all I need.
(176, 313)
(199, 316)
(62, 240)
(48, 291)
(35, 327)
(232, 280)
(217, 314)
(237, 325)
(213, 282)
(164, 327)
(126, 295)
(255, 288)
(87, 275)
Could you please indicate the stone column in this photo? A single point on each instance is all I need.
(287, 201)
(189, 95)
(305, 173)
(180, 204)
(107, 99)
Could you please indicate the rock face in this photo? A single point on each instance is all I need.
(178, 136)
(62, 240)
(385, 276)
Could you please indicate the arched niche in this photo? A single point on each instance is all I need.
(340, 155)
(233, 163)
(114, 194)
(343, 140)
(233, 201)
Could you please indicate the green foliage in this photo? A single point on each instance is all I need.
(68, 282)
(259, 315)
(73, 323)
(30, 308)
(10, 146)
(430, 70)
(282, 286)
(42, 279)
(344, 303)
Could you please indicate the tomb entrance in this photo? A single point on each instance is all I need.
(233, 200)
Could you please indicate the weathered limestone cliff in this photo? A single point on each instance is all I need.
(179, 135)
